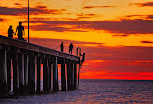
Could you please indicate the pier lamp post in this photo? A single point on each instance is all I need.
(28, 21)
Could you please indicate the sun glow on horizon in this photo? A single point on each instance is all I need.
(117, 36)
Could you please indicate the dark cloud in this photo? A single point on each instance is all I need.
(33, 11)
(146, 41)
(139, 17)
(150, 17)
(90, 7)
(148, 4)
(17, 4)
(1, 20)
(85, 16)
(123, 26)
(55, 28)
(121, 35)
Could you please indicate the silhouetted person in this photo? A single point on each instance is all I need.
(21, 31)
(62, 47)
(10, 32)
(70, 48)
(83, 57)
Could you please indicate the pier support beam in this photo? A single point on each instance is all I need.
(31, 81)
(21, 73)
(72, 75)
(45, 74)
(3, 72)
(75, 76)
(55, 76)
(26, 66)
(38, 74)
(9, 71)
(49, 75)
(63, 80)
(15, 73)
(68, 76)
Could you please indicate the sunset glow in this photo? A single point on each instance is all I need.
(117, 36)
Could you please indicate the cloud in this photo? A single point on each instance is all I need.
(150, 17)
(123, 26)
(1, 20)
(121, 35)
(85, 16)
(146, 41)
(55, 28)
(148, 4)
(144, 17)
(33, 11)
(17, 4)
(90, 7)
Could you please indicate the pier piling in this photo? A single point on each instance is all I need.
(31, 81)
(26, 66)
(45, 74)
(68, 76)
(3, 72)
(49, 74)
(15, 74)
(55, 76)
(75, 75)
(9, 71)
(38, 74)
(21, 72)
(63, 80)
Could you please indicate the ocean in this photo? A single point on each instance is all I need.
(95, 92)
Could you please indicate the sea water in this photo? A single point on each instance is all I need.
(95, 92)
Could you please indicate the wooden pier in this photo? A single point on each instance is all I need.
(26, 60)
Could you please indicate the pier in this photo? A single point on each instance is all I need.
(25, 61)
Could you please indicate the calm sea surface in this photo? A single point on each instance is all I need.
(95, 92)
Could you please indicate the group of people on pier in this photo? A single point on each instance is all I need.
(19, 30)
(70, 51)
(70, 47)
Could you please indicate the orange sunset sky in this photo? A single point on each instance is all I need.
(116, 35)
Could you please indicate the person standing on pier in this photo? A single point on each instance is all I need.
(10, 32)
(70, 48)
(21, 31)
(62, 47)
(83, 57)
